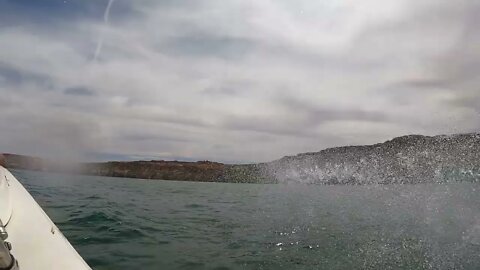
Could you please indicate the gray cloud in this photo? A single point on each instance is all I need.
(79, 91)
(317, 114)
(12, 75)
(300, 118)
(207, 45)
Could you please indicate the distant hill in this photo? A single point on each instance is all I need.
(404, 160)
(203, 171)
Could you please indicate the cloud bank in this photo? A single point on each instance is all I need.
(233, 81)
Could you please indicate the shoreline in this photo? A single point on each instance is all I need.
(407, 159)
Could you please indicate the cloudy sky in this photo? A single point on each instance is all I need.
(232, 80)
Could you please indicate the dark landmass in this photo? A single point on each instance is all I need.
(201, 171)
(404, 160)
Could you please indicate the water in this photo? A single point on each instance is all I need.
(138, 224)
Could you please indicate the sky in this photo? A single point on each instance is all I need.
(232, 80)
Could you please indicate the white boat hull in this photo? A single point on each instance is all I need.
(37, 243)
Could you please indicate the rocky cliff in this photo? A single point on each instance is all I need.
(403, 160)
(204, 171)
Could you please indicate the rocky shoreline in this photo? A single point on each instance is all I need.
(404, 160)
(200, 171)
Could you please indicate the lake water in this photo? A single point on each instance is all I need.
(119, 223)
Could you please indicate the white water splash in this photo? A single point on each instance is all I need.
(106, 16)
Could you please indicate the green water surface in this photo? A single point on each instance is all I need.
(119, 223)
